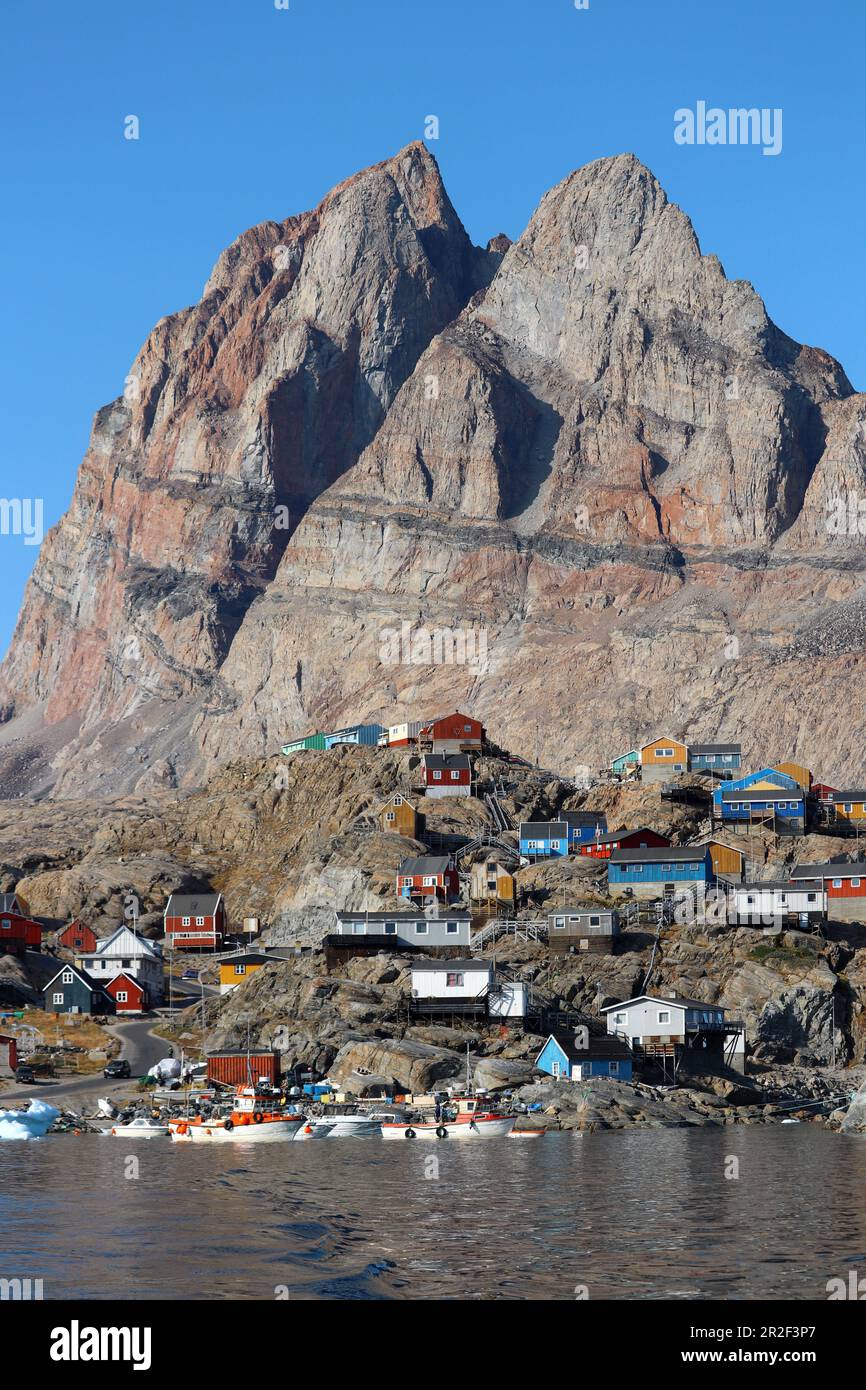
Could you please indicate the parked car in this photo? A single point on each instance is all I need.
(119, 1067)
(25, 1074)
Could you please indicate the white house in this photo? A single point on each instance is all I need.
(125, 951)
(770, 903)
(465, 986)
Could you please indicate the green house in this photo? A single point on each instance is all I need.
(309, 741)
(625, 761)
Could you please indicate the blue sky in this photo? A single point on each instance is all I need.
(249, 112)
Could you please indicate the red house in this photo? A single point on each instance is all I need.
(195, 919)
(603, 845)
(130, 997)
(429, 877)
(19, 934)
(77, 937)
(454, 733)
(445, 774)
(822, 791)
(8, 1054)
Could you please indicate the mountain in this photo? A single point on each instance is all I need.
(588, 454)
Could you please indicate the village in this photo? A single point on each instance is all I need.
(478, 919)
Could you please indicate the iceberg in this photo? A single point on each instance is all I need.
(32, 1123)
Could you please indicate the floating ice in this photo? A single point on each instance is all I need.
(27, 1124)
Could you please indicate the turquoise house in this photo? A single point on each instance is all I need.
(625, 761)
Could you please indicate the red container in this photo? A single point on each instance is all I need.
(232, 1070)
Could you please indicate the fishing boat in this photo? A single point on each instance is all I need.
(254, 1119)
(466, 1118)
(348, 1124)
(140, 1128)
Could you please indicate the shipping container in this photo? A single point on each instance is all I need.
(237, 1068)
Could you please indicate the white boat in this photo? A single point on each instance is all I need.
(310, 1130)
(253, 1120)
(467, 1118)
(140, 1128)
(348, 1126)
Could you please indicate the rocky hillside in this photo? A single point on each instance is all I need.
(588, 450)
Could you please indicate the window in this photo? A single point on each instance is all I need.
(390, 816)
(812, 897)
(67, 977)
(390, 928)
(837, 882)
(421, 929)
(613, 1068)
(664, 1016)
(199, 921)
(122, 996)
(455, 777)
(855, 883)
(711, 757)
(398, 801)
(559, 924)
(58, 998)
(437, 776)
(240, 970)
(452, 928)
(6, 924)
(847, 807)
(620, 1019)
(595, 921)
(454, 980)
(783, 897)
(429, 881)
(467, 728)
(664, 752)
(184, 921)
(358, 928)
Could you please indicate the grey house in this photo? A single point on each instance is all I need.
(366, 933)
(73, 991)
(585, 928)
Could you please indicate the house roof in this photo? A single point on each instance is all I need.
(130, 979)
(449, 965)
(447, 762)
(144, 947)
(663, 738)
(8, 902)
(532, 827)
(247, 957)
(855, 794)
(601, 1047)
(703, 749)
(832, 869)
(83, 976)
(424, 864)
(676, 1001)
(459, 916)
(665, 854)
(582, 911)
(583, 817)
(192, 904)
(615, 835)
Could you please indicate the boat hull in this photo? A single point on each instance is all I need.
(274, 1132)
(496, 1128)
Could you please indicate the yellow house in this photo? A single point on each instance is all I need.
(491, 882)
(849, 807)
(662, 759)
(400, 816)
(728, 862)
(800, 774)
(235, 969)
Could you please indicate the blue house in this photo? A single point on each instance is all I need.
(648, 873)
(603, 1056)
(584, 826)
(723, 759)
(367, 734)
(769, 796)
(544, 839)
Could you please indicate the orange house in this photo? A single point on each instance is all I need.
(662, 759)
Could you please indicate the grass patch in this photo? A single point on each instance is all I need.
(781, 955)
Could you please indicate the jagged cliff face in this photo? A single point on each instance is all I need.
(589, 453)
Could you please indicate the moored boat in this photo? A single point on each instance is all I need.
(140, 1128)
(254, 1119)
(467, 1118)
